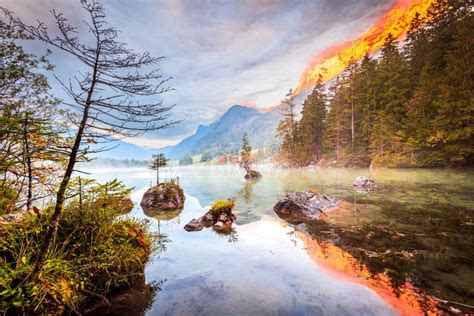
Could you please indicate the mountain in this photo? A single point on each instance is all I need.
(225, 135)
(184, 147)
(222, 136)
(122, 150)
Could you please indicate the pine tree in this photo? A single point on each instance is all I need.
(387, 141)
(312, 122)
(158, 161)
(287, 130)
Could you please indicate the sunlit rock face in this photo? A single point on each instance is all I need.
(164, 196)
(298, 207)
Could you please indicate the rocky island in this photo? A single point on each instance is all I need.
(164, 196)
(220, 217)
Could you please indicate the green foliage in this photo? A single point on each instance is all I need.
(85, 262)
(288, 131)
(88, 193)
(158, 161)
(29, 133)
(246, 148)
(410, 107)
(245, 151)
(8, 198)
(206, 157)
(312, 121)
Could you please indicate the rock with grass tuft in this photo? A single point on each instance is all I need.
(164, 196)
(220, 217)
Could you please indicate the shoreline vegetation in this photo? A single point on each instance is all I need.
(72, 252)
(94, 254)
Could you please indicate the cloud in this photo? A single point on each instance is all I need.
(221, 50)
(150, 142)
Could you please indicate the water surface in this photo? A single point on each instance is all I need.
(367, 259)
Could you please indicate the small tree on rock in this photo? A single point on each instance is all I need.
(245, 152)
(158, 161)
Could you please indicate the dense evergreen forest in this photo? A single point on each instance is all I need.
(411, 105)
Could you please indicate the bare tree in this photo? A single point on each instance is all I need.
(111, 99)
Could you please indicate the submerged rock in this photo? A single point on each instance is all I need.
(164, 196)
(298, 207)
(364, 183)
(220, 217)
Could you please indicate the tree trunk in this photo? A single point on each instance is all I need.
(52, 226)
(28, 163)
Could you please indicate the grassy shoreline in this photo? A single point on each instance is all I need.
(94, 254)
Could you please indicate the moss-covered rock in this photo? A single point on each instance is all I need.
(220, 217)
(164, 196)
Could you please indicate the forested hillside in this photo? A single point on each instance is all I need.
(411, 105)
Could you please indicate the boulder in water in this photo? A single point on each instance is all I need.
(298, 207)
(364, 183)
(220, 217)
(195, 225)
(253, 174)
(164, 196)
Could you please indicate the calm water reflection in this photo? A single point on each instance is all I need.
(335, 268)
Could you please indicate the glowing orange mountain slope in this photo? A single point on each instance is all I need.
(330, 62)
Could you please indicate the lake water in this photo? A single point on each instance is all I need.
(380, 255)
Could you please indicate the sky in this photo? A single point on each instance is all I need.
(218, 53)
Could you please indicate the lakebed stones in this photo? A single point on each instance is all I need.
(298, 207)
(164, 196)
(220, 217)
(362, 182)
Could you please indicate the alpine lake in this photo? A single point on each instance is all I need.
(397, 249)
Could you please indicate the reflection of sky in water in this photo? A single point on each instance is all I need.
(268, 271)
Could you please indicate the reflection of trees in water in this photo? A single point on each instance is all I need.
(367, 267)
(162, 239)
(400, 256)
(247, 190)
(292, 234)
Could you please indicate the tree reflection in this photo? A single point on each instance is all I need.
(247, 190)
